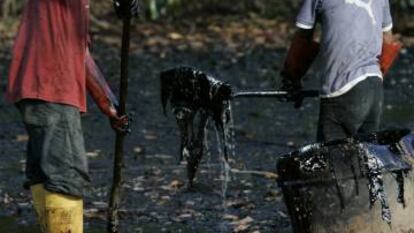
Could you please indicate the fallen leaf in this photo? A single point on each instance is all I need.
(230, 217)
(165, 198)
(241, 228)
(282, 214)
(100, 204)
(138, 150)
(93, 154)
(242, 224)
(161, 156)
(244, 221)
(22, 138)
(185, 216)
(176, 184)
(150, 136)
(94, 213)
(175, 36)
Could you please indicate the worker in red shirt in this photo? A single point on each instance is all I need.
(50, 73)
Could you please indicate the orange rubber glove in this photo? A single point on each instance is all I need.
(389, 54)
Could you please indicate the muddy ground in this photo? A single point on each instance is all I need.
(247, 55)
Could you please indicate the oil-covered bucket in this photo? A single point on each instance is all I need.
(357, 185)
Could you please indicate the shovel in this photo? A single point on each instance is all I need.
(196, 97)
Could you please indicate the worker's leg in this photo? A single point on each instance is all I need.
(57, 160)
(329, 126)
(373, 120)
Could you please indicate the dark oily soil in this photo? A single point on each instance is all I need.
(155, 195)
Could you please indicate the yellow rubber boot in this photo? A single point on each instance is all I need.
(38, 196)
(63, 213)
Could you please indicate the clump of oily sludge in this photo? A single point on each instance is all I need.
(376, 189)
(196, 99)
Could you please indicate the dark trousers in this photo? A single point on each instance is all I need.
(55, 152)
(357, 111)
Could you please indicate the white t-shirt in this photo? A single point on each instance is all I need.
(351, 40)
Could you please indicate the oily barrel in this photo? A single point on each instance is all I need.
(350, 186)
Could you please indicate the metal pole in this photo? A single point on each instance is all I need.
(274, 94)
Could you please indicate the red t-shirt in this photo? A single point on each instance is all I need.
(49, 53)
